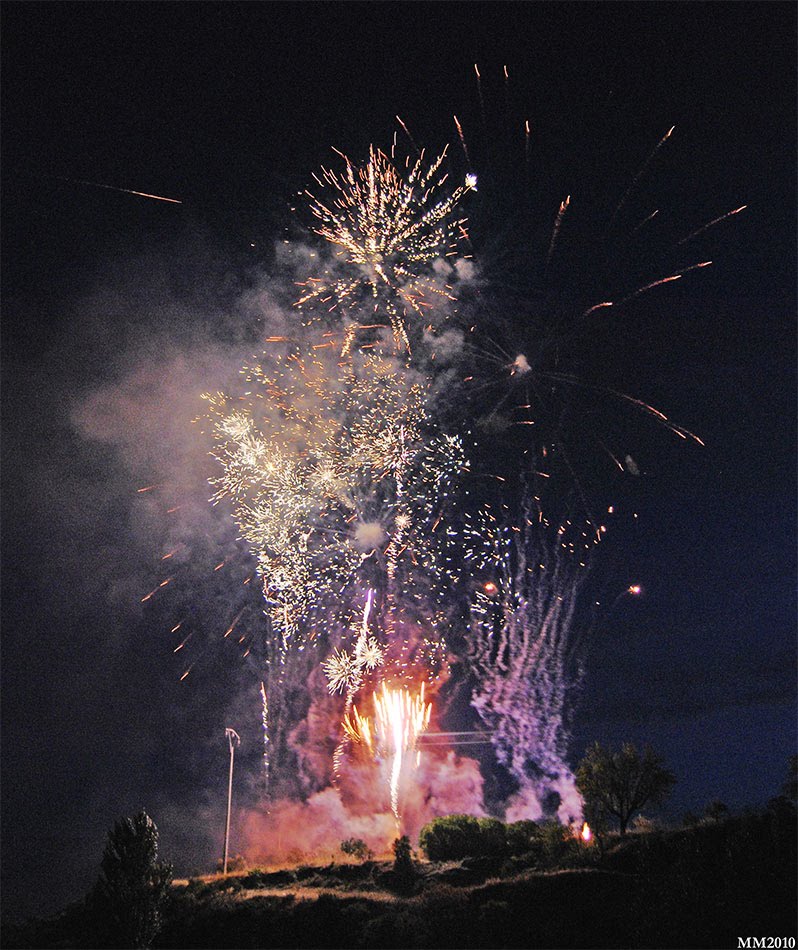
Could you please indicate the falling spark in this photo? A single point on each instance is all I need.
(462, 138)
(127, 191)
(640, 174)
(525, 647)
(557, 225)
(711, 224)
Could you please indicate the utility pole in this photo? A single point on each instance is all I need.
(233, 740)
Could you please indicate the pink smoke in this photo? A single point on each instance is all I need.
(360, 808)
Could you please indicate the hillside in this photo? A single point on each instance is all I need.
(701, 887)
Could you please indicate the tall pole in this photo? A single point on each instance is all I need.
(233, 739)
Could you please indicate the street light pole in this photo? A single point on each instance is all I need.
(233, 740)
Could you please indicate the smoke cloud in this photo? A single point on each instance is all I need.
(360, 808)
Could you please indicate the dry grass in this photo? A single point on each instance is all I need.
(313, 893)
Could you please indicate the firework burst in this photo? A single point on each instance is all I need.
(393, 230)
(338, 482)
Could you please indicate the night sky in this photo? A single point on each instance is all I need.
(118, 309)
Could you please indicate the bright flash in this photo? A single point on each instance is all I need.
(490, 588)
(399, 719)
(634, 589)
(471, 181)
(586, 834)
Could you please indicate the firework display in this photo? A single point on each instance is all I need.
(341, 486)
(350, 494)
(356, 457)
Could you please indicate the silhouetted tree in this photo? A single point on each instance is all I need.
(790, 787)
(402, 856)
(127, 898)
(618, 784)
(404, 872)
(716, 810)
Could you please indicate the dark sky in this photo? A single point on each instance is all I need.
(230, 108)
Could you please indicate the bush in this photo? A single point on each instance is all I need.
(520, 836)
(357, 848)
(450, 838)
(462, 836)
(556, 844)
(492, 838)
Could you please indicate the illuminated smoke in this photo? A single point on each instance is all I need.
(359, 806)
(400, 718)
(524, 654)
(339, 482)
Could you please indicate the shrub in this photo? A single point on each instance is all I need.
(357, 848)
(492, 838)
(556, 843)
(449, 838)
(402, 854)
(462, 836)
(520, 836)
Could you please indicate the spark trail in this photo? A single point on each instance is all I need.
(524, 649)
(400, 719)
(390, 230)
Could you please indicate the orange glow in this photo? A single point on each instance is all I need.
(586, 834)
(399, 719)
